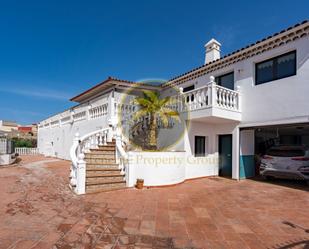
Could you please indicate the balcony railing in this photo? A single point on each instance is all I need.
(211, 95)
(208, 96)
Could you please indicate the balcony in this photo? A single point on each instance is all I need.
(209, 102)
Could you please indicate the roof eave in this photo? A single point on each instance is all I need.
(109, 83)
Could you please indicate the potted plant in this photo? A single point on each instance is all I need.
(139, 183)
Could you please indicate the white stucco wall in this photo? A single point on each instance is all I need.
(166, 168)
(209, 165)
(281, 100)
(55, 138)
(6, 159)
(157, 168)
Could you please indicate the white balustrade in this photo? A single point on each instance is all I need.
(83, 145)
(80, 146)
(79, 116)
(98, 111)
(26, 151)
(211, 95)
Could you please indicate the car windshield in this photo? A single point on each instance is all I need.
(286, 152)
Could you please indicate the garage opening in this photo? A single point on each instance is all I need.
(282, 148)
(267, 137)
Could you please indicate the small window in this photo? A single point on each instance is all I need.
(188, 88)
(226, 80)
(276, 68)
(199, 148)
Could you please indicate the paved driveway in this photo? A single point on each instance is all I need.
(37, 210)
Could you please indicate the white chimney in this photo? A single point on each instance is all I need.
(212, 51)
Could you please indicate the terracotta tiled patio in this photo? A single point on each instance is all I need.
(37, 210)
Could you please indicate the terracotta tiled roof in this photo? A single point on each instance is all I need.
(114, 81)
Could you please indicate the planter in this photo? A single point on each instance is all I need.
(139, 183)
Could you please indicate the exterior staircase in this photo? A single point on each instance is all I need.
(102, 171)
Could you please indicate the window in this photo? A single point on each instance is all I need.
(276, 68)
(226, 80)
(188, 88)
(199, 146)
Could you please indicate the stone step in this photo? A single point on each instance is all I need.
(102, 173)
(104, 147)
(99, 156)
(101, 152)
(105, 187)
(107, 146)
(100, 161)
(104, 179)
(102, 166)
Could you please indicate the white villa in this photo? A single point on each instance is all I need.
(234, 108)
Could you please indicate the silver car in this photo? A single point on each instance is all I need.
(288, 162)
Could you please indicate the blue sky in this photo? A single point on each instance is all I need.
(53, 50)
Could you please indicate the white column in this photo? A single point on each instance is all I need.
(238, 99)
(213, 100)
(130, 170)
(81, 175)
(111, 109)
(235, 152)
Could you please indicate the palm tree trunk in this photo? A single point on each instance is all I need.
(153, 132)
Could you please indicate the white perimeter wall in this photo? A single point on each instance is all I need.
(55, 139)
(165, 168)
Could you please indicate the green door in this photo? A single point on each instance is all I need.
(225, 155)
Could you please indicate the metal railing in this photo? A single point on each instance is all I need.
(6, 146)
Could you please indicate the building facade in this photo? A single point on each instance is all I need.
(235, 107)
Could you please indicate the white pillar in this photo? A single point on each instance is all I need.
(81, 175)
(235, 152)
(239, 98)
(213, 97)
(130, 170)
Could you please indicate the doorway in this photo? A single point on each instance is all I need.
(225, 155)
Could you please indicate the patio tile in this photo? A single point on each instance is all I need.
(204, 213)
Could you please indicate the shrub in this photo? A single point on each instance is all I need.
(21, 142)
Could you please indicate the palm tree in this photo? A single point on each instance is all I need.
(156, 109)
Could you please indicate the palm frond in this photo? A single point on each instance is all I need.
(164, 120)
(140, 113)
(170, 113)
(164, 101)
(151, 95)
(143, 102)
